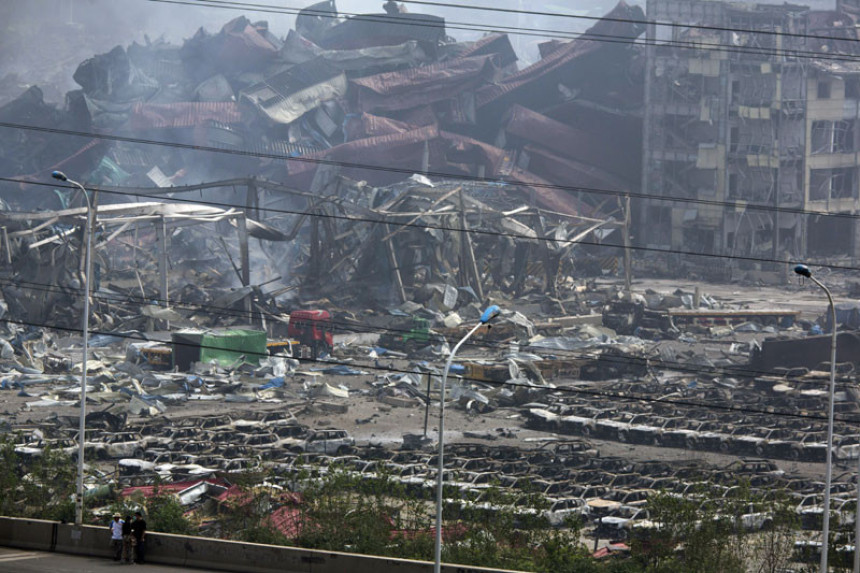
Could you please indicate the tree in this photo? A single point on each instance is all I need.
(166, 514)
(10, 481)
(47, 488)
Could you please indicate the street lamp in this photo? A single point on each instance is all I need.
(79, 494)
(804, 271)
(488, 315)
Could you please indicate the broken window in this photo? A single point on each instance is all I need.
(842, 183)
(823, 90)
(830, 235)
(821, 136)
(659, 224)
(852, 88)
(733, 186)
(833, 137)
(843, 136)
(826, 184)
(698, 238)
(819, 184)
(734, 136)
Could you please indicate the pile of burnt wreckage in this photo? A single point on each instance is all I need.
(351, 150)
(376, 168)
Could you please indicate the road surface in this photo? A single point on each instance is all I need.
(23, 561)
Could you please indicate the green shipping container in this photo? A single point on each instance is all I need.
(225, 346)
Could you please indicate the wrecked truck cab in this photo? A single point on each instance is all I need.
(312, 328)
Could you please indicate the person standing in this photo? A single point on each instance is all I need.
(138, 532)
(116, 536)
(126, 540)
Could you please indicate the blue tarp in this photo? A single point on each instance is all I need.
(339, 369)
(277, 382)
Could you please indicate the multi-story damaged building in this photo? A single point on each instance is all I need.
(751, 116)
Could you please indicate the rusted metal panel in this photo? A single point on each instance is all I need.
(498, 44)
(384, 30)
(548, 196)
(577, 174)
(594, 148)
(559, 66)
(182, 115)
(419, 86)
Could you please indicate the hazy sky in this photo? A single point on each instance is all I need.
(135, 17)
(43, 41)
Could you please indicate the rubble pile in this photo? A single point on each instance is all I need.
(331, 122)
(399, 182)
(199, 459)
(387, 91)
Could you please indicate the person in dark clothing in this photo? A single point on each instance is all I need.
(138, 532)
(126, 540)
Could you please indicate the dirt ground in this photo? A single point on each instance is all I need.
(373, 422)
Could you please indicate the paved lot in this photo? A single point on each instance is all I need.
(22, 561)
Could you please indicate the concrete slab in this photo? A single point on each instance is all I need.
(19, 561)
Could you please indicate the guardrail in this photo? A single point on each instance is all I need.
(205, 553)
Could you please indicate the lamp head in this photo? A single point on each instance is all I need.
(803, 271)
(59, 175)
(491, 313)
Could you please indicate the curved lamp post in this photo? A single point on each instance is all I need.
(488, 315)
(79, 494)
(804, 271)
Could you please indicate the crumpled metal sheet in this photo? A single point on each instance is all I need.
(285, 97)
(545, 74)
(182, 114)
(392, 91)
(298, 49)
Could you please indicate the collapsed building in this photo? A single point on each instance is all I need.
(387, 170)
(753, 105)
(328, 126)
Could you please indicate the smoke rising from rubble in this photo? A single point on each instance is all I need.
(95, 26)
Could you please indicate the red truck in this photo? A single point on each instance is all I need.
(312, 330)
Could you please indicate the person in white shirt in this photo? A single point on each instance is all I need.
(116, 536)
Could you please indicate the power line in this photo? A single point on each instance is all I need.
(766, 208)
(579, 391)
(733, 257)
(403, 171)
(624, 20)
(360, 328)
(349, 326)
(438, 174)
(416, 225)
(543, 33)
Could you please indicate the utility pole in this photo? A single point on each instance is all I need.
(628, 263)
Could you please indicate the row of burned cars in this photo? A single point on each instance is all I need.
(557, 481)
(726, 430)
(190, 446)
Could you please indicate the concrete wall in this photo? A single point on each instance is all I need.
(211, 554)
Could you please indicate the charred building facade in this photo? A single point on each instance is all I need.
(752, 114)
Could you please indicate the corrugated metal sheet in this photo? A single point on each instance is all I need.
(597, 147)
(622, 22)
(494, 44)
(364, 125)
(548, 197)
(182, 115)
(286, 96)
(572, 173)
(422, 85)
(384, 30)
